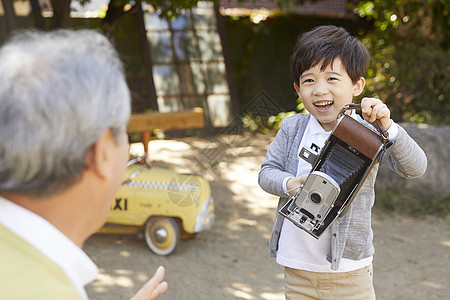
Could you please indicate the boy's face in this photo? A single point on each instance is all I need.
(324, 93)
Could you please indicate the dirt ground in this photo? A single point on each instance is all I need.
(231, 260)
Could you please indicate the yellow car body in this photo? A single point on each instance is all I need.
(164, 203)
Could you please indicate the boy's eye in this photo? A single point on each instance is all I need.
(308, 80)
(332, 78)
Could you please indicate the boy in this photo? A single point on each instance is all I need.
(328, 66)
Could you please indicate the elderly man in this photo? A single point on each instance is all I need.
(64, 107)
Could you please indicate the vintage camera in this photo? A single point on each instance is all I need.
(337, 173)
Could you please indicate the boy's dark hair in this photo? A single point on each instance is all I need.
(322, 45)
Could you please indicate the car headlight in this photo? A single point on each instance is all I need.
(206, 217)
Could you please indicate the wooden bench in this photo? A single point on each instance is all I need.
(146, 123)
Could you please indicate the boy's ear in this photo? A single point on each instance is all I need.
(297, 88)
(358, 87)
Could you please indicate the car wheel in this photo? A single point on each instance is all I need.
(162, 235)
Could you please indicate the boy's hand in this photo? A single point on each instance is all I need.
(293, 184)
(373, 109)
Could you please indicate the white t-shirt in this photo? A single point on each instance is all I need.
(42, 235)
(297, 249)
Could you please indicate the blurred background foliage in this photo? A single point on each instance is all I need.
(411, 60)
(260, 55)
(409, 41)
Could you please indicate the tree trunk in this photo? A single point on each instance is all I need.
(10, 16)
(37, 14)
(61, 14)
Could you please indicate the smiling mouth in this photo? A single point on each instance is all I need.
(323, 105)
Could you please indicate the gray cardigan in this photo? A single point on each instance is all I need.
(351, 234)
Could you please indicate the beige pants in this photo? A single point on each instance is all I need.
(354, 285)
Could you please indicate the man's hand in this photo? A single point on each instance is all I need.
(153, 288)
(373, 109)
(293, 184)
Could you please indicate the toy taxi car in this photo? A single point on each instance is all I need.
(165, 204)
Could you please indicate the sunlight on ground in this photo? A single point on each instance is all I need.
(271, 296)
(259, 201)
(167, 151)
(240, 290)
(445, 243)
(168, 145)
(125, 253)
(105, 280)
(432, 284)
(280, 275)
(137, 149)
(243, 291)
(159, 146)
(123, 272)
(247, 222)
(122, 278)
(143, 277)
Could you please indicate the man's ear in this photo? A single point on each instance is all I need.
(297, 88)
(358, 87)
(98, 157)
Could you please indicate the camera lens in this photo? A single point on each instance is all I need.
(316, 197)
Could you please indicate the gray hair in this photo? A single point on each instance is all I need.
(59, 92)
